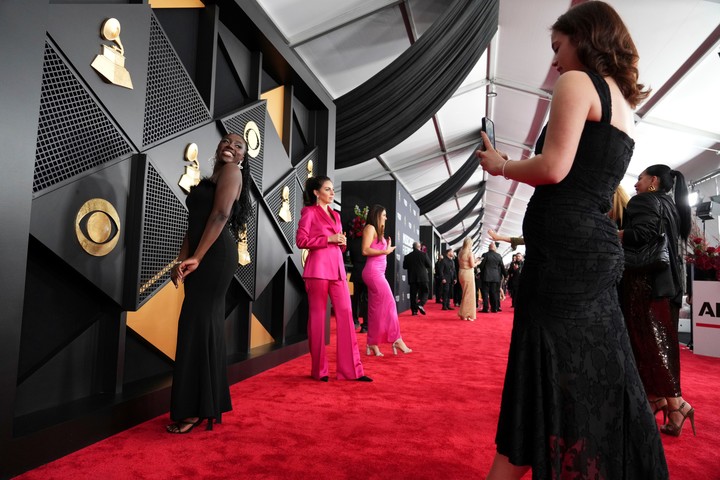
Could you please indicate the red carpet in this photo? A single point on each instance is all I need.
(430, 414)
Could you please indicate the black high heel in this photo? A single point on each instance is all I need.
(209, 424)
(178, 427)
(675, 429)
(364, 378)
(657, 408)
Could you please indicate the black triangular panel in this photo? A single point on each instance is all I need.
(274, 200)
(246, 273)
(237, 122)
(172, 103)
(74, 133)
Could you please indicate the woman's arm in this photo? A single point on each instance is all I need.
(175, 273)
(306, 238)
(228, 185)
(369, 234)
(570, 107)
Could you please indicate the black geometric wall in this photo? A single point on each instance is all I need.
(126, 147)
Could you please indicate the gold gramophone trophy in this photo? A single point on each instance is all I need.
(111, 64)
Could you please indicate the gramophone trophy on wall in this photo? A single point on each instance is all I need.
(111, 64)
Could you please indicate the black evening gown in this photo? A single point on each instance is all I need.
(200, 387)
(573, 405)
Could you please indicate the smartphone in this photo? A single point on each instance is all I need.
(489, 128)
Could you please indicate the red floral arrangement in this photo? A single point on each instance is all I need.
(357, 224)
(704, 256)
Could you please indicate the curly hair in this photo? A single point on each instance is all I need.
(604, 45)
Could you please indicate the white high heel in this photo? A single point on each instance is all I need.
(401, 345)
(374, 349)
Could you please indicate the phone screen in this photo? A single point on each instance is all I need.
(489, 128)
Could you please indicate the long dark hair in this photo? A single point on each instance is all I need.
(670, 179)
(373, 218)
(242, 209)
(312, 184)
(604, 45)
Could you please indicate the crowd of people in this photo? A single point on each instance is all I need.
(583, 324)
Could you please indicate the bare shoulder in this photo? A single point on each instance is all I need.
(574, 83)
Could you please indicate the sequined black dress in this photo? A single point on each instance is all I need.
(200, 386)
(573, 405)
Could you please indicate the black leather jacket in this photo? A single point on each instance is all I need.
(642, 223)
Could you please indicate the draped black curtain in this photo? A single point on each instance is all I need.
(386, 109)
(462, 214)
(465, 233)
(451, 186)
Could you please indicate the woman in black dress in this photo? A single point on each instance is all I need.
(573, 405)
(208, 259)
(651, 301)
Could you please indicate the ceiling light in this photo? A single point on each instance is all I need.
(693, 198)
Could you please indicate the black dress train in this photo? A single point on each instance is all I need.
(573, 405)
(200, 387)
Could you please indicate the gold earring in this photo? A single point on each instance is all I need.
(651, 188)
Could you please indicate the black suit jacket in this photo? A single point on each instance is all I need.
(492, 268)
(447, 270)
(417, 264)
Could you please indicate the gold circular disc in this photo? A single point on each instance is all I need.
(99, 227)
(98, 217)
(252, 137)
(191, 152)
(110, 29)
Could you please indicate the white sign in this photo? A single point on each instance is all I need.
(706, 318)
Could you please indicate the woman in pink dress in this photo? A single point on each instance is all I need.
(383, 324)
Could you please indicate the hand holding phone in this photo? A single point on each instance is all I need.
(489, 128)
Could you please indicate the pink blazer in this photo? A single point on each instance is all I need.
(325, 260)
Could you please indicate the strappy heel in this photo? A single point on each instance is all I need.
(401, 345)
(370, 349)
(675, 429)
(179, 427)
(656, 407)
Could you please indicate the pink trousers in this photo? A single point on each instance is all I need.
(349, 366)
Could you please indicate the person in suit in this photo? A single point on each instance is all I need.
(492, 270)
(417, 264)
(448, 278)
(514, 276)
(438, 280)
(320, 231)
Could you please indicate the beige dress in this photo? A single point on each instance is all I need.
(467, 282)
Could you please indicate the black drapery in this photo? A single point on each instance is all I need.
(462, 214)
(385, 110)
(465, 233)
(451, 186)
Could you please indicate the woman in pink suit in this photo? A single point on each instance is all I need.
(320, 231)
(383, 324)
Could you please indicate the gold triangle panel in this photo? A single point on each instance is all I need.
(157, 320)
(276, 106)
(258, 334)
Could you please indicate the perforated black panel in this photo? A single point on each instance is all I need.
(274, 202)
(236, 124)
(163, 229)
(74, 134)
(172, 103)
(246, 273)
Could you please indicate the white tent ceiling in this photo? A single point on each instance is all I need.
(346, 42)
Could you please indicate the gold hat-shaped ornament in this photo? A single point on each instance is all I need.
(284, 212)
(111, 64)
(191, 177)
